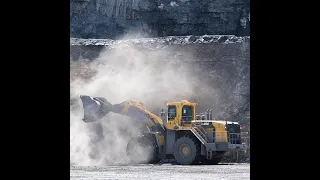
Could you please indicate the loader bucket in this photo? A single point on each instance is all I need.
(94, 108)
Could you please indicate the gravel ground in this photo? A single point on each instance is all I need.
(163, 171)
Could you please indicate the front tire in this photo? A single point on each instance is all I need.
(142, 150)
(187, 150)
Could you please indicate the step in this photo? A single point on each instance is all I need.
(197, 134)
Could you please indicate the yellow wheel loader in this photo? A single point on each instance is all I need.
(177, 134)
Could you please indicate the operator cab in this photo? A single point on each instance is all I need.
(180, 113)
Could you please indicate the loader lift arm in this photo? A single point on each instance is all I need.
(96, 108)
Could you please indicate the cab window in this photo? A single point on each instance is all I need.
(172, 112)
(187, 114)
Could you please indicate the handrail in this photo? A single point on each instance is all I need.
(203, 141)
(202, 130)
(233, 138)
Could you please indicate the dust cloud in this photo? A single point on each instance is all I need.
(123, 73)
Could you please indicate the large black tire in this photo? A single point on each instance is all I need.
(142, 150)
(187, 150)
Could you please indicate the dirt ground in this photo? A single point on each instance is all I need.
(165, 171)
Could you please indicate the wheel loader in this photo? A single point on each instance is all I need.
(179, 133)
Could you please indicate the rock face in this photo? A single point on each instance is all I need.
(90, 48)
(156, 18)
(213, 71)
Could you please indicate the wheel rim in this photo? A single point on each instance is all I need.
(140, 150)
(185, 150)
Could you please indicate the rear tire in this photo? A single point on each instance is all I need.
(142, 150)
(187, 150)
(218, 156)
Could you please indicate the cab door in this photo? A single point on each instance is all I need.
(186, 115)
(173, 116)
